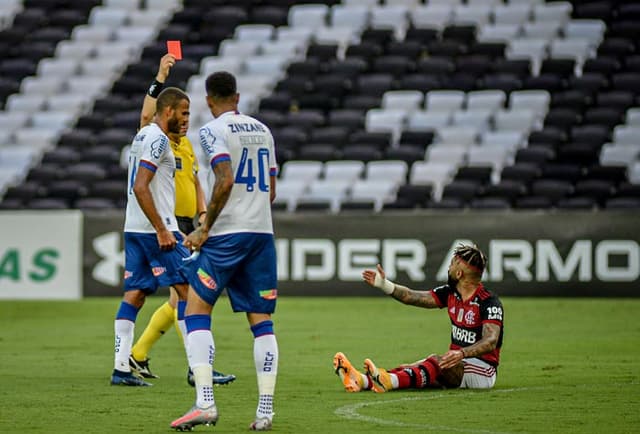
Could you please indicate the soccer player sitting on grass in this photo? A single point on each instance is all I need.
(190, 201)
(476, 333)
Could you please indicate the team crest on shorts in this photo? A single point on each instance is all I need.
(206, 279)
(158, 271)
(269, 294)
(127, 274)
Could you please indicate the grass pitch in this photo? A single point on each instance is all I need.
(568, 366)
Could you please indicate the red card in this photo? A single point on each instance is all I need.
(175, 48)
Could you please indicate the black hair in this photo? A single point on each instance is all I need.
(221, 84)
(170, 97)
(472, 255)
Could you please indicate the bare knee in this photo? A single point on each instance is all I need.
(257, 318)
(452, 377)
(134, 297)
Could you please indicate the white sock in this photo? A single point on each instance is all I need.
(124, 340)
(182, 325)
(265, 356)
(394, 380)
(201, 352)
(365, 382)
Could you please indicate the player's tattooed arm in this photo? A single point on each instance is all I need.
(220, 194)
(490, 335)
(415, 298)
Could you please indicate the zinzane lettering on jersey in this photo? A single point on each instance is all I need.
(463, 335)
(246, 128)
(158, 146)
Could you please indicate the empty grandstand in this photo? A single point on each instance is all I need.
(375, 105)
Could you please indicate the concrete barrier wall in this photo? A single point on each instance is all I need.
(530, 253)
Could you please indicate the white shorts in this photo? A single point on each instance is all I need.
(478, 374)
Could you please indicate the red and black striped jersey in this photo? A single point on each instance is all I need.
(467, 317)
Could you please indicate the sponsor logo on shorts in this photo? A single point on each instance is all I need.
(206, 279)
(269, 294)
(158, 270)
(127, 274)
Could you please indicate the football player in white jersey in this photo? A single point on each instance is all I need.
(152, 241)
(237, 249)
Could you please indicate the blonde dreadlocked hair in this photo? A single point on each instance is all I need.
(472, 255)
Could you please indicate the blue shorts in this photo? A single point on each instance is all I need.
(147, 267)
(245, 264)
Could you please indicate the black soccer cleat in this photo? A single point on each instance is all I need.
(141, 368)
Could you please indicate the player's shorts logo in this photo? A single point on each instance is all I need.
(158, 271)
(127, 274)
(206, 279)
(269, 294)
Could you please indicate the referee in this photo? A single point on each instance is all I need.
(191, 206)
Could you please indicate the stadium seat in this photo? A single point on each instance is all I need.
(544, 91)
(377, 192)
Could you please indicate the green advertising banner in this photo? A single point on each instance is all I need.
(40, 254)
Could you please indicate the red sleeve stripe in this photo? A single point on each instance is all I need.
(492, 321)
(435, 297)
(148, 165)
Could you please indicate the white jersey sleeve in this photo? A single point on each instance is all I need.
(248, 144)
(150, 149)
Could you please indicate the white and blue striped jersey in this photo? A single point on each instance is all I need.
(150, 149)
(248, 144)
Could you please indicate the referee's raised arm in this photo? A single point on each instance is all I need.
(149, 103)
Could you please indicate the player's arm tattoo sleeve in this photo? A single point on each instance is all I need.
(221, 191)
(490, 335)
(415, 298)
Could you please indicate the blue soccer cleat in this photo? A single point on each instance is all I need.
(119, 378)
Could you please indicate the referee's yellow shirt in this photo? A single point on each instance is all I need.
(186, 172)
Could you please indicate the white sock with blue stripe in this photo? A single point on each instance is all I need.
(201, 352)
(265, 356)
(124, 326)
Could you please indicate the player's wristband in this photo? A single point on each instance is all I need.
(385, 284)
(155, 89)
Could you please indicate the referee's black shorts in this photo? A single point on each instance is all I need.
(185, 224)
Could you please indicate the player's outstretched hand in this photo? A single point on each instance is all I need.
(378, 279)
(369, 276)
